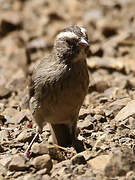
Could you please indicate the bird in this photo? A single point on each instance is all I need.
(58, 86)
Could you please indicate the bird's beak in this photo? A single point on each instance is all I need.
(84, 43)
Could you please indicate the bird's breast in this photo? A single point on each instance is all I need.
(70, 89)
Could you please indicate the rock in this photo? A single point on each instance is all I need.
(56, 153)
(109, 63)
(85, 124)
(130, 175)
(25, 136)
(42, 162)
(129, 65)
(1, 149)
(75, 9)
(5, 160)
(85, 178)
(99, 162)
(132, 122)
(99, 117)
(107, 112)
(4, 135)
(78, 159)
(37, 44)
(83, 113)
(117, 163)
(17, 83)
(132, 82)
(18, 163)
(16, 174)
(67, 169)
(100, 86)
(118, 64)
(2, 120)
(2, 107)
(4, 92)
(29, 177)
(109, 31)
(90, 118)
(120, 82)
(59, 169)
(121, 161)
(118, 104)
(10, 21)
(42, 171)
(2, 178)
(8, 114)
(111, 92)
(46, 177)
(127, 111)
(3, 170)
(19, 117)
(39, 149)
(92, 15)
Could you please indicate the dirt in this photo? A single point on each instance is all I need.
(106, 124)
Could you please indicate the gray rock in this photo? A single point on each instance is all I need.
(118, 104)
(3, 170)
(25, 136)
(121, 162)
(18, 163)
(39, 149)
(42, 162)
(4, 135)
(4, 92)
(5, 160)
(8, 114)
(85, 124)
(130, 175)
(99, 163)
(19, 117)
(46, 177)
(83, 113)
(10, 21)
(29, 177)
(127, 111)
(92, 15)
(132, 122)
(78, 159)
(2, 178)
(109, 63)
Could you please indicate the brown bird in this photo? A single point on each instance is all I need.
(59, 85)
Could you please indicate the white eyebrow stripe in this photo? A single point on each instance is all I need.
(67, 34)
(83, 30)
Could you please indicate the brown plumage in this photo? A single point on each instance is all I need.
(59, 85)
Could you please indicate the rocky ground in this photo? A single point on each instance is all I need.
(107, 118)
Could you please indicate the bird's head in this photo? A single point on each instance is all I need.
(72, 44)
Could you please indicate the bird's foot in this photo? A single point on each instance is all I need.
(27, 152)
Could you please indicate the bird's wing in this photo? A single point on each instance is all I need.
(44, 76)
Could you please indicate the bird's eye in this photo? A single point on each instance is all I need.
(71, 41)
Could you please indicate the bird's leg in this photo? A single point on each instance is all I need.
(77, 144)
(27, 152)
(37, 135)
(61, 135)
